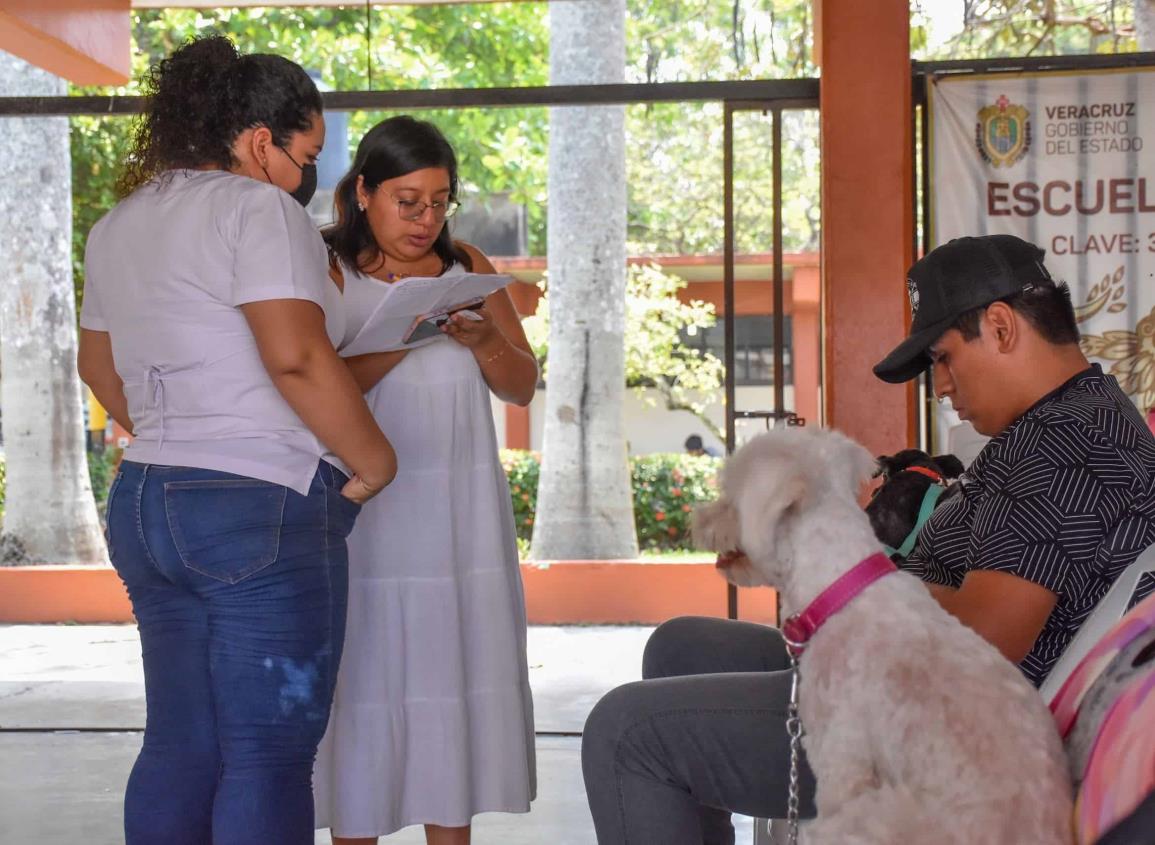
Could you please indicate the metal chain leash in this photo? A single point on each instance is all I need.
(794, 731)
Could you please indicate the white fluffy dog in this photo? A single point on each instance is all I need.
(918, 731)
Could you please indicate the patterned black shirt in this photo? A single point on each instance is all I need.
(1064, 497)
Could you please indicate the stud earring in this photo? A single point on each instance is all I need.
(360, 206)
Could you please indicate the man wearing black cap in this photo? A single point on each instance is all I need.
(1056, 505)
(1062, 499)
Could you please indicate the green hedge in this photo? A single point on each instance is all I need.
(522, 468)
(101, 470)
(666, 486)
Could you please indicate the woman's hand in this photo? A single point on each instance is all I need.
(497, 341)
(469, 332)
(359, 490)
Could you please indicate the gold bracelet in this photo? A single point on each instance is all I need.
(497, 355)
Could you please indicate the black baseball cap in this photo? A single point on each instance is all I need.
(950, 280)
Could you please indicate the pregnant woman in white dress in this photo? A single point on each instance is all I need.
(432, 721)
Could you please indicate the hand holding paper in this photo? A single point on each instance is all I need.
(431, 325)
(407, 303)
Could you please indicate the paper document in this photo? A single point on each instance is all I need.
(417, 297)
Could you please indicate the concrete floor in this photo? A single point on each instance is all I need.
(72, 707)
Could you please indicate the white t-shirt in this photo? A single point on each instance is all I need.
(166, 272)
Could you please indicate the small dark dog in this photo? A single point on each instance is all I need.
(906, 477)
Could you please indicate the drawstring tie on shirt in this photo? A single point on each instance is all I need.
(154, 398)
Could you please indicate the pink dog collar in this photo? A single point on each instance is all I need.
(799, 628)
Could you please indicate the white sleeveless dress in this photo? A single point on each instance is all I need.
(432, 721)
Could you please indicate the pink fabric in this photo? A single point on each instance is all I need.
(1120, 770)
(800, 627)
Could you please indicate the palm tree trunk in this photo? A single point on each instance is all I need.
(584, 501)
(1145, 24)
(49, 513)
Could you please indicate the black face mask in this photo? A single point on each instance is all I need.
(308, 185)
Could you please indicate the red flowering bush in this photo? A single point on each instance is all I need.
(666, 487)
(522, 469)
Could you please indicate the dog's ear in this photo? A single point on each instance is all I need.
(852, 464)
(714, 526)
(882, 467)
(949, 465)
(767, 511)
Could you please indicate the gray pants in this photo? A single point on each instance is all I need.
(667, 759)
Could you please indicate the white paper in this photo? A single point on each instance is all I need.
(408, 299)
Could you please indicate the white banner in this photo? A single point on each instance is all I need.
(1066, 161)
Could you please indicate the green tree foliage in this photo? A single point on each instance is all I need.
(674, 150)
(475, 46)
(675, 180)
(658, 365)
(995, 28)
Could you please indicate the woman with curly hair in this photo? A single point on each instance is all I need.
(207, 330)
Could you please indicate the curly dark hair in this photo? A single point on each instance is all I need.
(203, 96)
(390, 149)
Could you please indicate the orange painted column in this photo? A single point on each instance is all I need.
(867, 213)
(88, 42)
(516, 427)
(807, 352)
(517, 435)
(525, 297)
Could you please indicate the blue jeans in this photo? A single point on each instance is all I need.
(239, 588)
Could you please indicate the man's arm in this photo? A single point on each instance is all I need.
(1007, 611)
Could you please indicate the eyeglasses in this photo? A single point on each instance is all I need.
(415, 209)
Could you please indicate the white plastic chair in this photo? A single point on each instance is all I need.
(964, 442)
(774, 835)
(1107, 612)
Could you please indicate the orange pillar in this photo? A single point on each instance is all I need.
(88, 42)
(516, 427)
(524, 296)
(806, 351)
(517, 434)
(867, 213)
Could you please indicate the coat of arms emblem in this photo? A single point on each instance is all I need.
(1003, 133)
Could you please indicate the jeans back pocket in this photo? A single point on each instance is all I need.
(225, 529)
